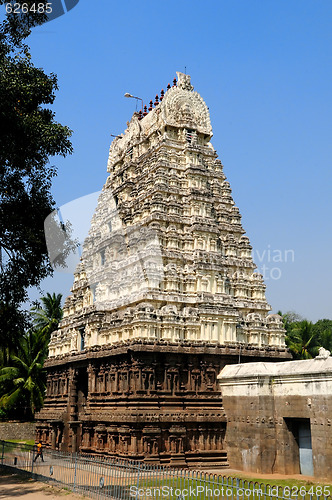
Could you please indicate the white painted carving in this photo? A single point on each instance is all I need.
(323, 353)
(165, 209)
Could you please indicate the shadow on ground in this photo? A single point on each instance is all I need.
(19, 485)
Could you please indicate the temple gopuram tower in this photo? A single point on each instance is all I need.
(165, 295)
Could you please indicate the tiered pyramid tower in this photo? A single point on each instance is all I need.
(165, 296)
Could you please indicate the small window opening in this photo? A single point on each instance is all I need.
(102, 257)
(189, 134)
(82, 335)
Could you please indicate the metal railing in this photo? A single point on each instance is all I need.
(113, 478)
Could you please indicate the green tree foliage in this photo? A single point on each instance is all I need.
(12, 324)
(323, 331)
(29, 137)
(22, 377)
(304, 338)
(302, 341)
(46, 317)
(17, 27)
(23, 383)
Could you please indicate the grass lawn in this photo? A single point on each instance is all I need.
(225, 487)
(19, 441)
(281, 481)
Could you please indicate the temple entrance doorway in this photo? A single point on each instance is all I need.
(305, 447)
(299, 428)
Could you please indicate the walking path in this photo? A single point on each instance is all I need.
(15, 485)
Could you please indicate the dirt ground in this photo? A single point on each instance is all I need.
(17, 485)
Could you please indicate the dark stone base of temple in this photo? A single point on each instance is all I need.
(144, 401)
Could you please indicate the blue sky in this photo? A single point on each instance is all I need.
(264, 69)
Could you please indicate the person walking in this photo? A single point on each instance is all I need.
(39, 452)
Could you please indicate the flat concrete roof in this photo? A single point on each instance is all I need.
(285, 368)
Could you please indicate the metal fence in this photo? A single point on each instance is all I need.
(110, 478)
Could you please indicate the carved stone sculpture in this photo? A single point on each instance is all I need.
(170, 296)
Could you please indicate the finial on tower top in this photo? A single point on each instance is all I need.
(184, 81)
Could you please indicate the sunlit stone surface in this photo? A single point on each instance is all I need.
(165, 295)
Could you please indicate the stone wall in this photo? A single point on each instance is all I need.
(151, 402)
(264, 404)
(24, 431)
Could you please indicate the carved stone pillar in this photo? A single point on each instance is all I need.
(134, 442)
(72, 393)
(111, 438)
(101, 437)
(125, 384)
(124, 440)
(155, 447)
(86, 437)
(201, 439)
(92, 378)
(53, 438)
(189, 381)
(104, 388)
(140, 387)
(67, 383)
(58, 437)
(74, 428)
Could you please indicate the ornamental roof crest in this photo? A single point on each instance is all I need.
(184, 81)
(183, 107)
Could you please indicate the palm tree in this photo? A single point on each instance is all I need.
(323, 329)
(23, 382)
(47, 316)
(325, 340)
(302, 340)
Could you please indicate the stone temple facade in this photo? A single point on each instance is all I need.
(164, 297)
